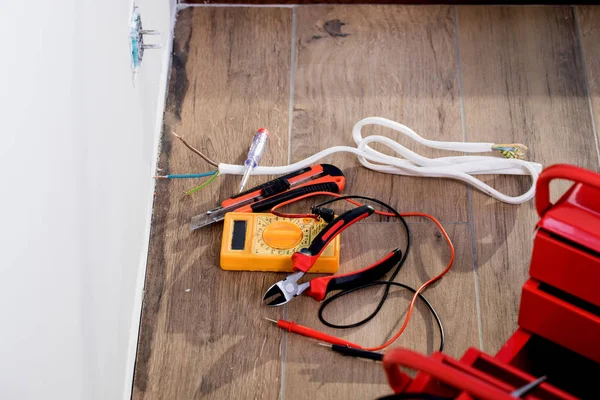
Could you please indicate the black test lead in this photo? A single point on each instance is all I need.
(349, 351)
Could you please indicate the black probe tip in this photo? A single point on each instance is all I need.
(352, 352)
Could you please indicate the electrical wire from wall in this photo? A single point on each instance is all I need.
(412, 164)
(195, 150)
(185, 176)
(212, 178)
(213, 174)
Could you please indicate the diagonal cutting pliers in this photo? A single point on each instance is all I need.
(303, 261)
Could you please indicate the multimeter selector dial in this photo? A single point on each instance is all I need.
(282, 235)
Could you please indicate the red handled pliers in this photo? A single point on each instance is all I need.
(304, 260)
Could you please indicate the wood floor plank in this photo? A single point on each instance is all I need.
(523, 81)
(202, 331)
(399, 63)
(589, 21)
(318, 373)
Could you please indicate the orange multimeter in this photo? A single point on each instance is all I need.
(266, 242)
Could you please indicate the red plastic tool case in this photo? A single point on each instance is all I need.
(561, 301)
(559, 318)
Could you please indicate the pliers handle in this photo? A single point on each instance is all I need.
(304, 260)
(320, 287)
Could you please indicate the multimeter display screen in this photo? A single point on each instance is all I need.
(238, 238)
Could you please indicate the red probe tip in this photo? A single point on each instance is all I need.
(263, 130)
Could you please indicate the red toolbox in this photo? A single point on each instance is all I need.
(561, 301)
(559, 319)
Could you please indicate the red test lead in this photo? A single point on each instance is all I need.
(290, 326)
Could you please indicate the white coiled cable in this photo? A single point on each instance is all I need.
(412, 164)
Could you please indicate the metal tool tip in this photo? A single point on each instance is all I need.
(279, 301)
(324, 344)
(272, 320)
(159, 176)
(245, 179)
(199, 221)
(273, 290)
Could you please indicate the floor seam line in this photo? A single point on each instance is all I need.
(292, 78)
(586, 78)
(469, 188)
(289, 160)
(283, 355)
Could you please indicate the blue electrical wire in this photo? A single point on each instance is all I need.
(183, 176)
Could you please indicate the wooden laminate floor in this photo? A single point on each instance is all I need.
(308, 73)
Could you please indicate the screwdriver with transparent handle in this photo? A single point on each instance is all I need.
(259, 142)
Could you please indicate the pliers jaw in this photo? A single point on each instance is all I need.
(286, 289)
(304, 259)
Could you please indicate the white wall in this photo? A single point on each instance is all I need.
(77, 155)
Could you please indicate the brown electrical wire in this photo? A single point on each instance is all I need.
(195, 150)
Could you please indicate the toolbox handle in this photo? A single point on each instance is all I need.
(561, 171)
(463, 380)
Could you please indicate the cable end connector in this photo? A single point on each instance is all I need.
(511, 150)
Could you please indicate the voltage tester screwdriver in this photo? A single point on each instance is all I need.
(259, 142)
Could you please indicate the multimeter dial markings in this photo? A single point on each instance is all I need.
(279, 236)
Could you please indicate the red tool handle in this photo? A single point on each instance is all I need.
(320, 173)
(319, 287)
(290, 326)
(324, 184)
(304, 259)
(442, 372)
(561, 171)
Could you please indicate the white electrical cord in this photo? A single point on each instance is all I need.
(412, 164)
